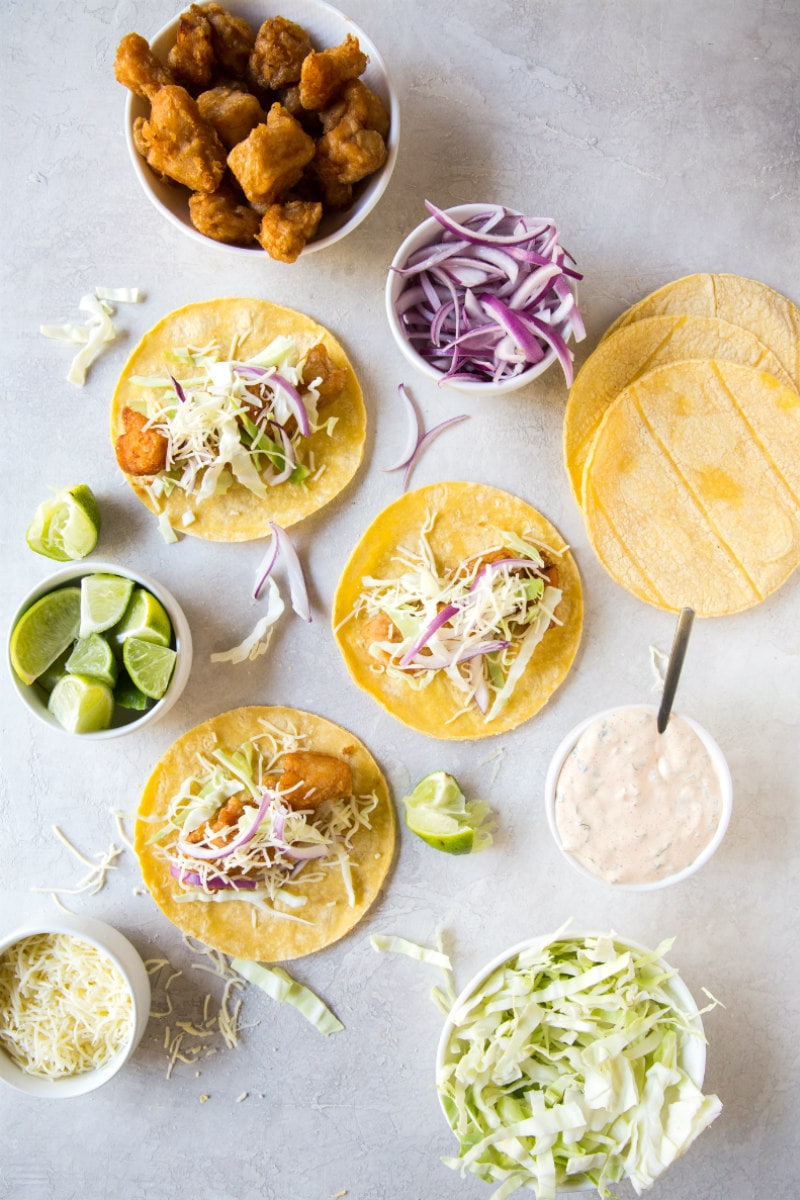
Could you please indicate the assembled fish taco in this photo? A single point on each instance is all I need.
(236, 412)
(265, 832)
(460, 610)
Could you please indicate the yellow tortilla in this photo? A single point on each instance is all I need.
(239, 928)
(641, 346)
(239, 515)
(773, 319)
(468, 518)
(692, 487)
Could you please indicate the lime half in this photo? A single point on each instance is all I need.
(149, 666)
(93, 656)
(104, 599)
(66, 526)
(82, 704)
(439, 813)
(145, 618)
(44, 632)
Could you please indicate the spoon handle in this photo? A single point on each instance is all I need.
(676, 657)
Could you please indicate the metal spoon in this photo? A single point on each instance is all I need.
(676, 657)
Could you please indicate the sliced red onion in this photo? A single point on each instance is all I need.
(215, 882)
(490, 568)
(265, 567)
(269, 375)
(179, 392)
(289, 460)
(208, 852)
(426, 441)
(412, 441)
(297, 584)
(522, 234)
(303, 853)
(440, 619)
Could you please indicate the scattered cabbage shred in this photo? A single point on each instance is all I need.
(65, 1006)
(99, 330)
(278, 984)
(565, 1068)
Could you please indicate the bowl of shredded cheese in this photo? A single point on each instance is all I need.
(74, 1004)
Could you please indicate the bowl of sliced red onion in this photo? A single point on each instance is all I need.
(482, 298)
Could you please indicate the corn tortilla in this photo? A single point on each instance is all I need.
(238, 514)
(692, 487)
(239, 928)
(468, 518)
(641, 346)
(773, 318)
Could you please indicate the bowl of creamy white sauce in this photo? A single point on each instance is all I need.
(634, 808)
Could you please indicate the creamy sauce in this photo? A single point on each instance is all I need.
(633, 805)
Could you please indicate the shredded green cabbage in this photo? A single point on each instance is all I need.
(281, 987)
(566, 1066)
(388, 942)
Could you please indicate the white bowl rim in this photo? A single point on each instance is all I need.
(375, 185)
(720, 766)
(394, 284)
(127, 960)
(183, 643)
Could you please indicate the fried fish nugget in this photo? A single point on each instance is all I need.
(278, 53)
(319, 366)
(138, 69)
(286, 228)
(324, 74)
(192, 58)
(140, 451)
(180, 143)
(349, 153)
(234, 114)
(357, 103)
(309, 778)
(271, 159)
(232, 37)
(223, 216)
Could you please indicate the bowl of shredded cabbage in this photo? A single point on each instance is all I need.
(74, 1005)
(572, 1062)
(482, 298)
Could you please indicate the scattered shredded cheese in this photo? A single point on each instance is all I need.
(98, 332)
(94, 881)
(65, 1006)
(281, 987)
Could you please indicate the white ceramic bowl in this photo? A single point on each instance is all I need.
(428, 233)
(720, 766)
(327, 27)
(124, 720)
(691, 1054)
(127, 960)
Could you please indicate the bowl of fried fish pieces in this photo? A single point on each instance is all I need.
(257, 131)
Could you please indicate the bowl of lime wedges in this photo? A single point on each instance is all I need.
(99, 650)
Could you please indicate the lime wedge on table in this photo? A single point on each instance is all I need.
(439, 813)
(145, 618)
(104, 599)
(66, 526)
(93, 656)
(44, 632)
(82, 704)
(149, 665)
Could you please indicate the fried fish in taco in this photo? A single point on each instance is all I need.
(236, 412)
(459, 610)
(265, 832)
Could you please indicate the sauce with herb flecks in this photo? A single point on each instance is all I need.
(633, 805)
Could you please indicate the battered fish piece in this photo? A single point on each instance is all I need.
(286, 228)
(325, 73)
(278, 54)
(309, 778)
(349, 153)
(359, 104)
(138, 69)
(180, 143)
(233, 113)
(192, 58)
(320, 366)
(232, 38)
(268, 162)
(140, 451)
(379, 628)
(223, 216)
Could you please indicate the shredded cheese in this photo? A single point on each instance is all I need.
(65, 1006)
(94, 881)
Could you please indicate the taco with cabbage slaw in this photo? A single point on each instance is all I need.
(234, 413)
(265, 832)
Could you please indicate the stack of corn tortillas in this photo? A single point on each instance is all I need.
(682, 445)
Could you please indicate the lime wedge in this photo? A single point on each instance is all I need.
(127, 695)
(104, 599)
(44, 632)
(93, 656)
(149, 665)
(66, 526)
(438, 812)
(49, 678)
(145, 618)
(82, 704)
